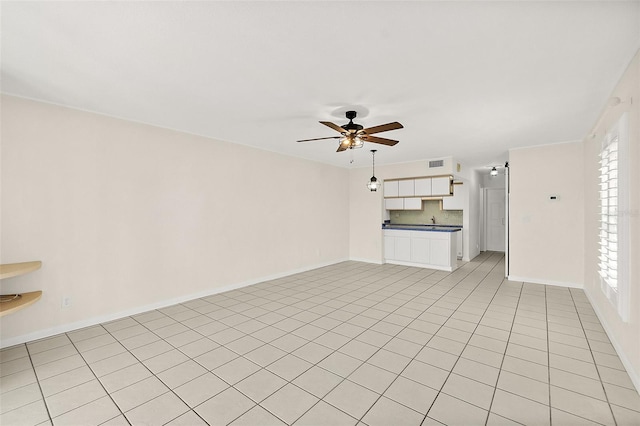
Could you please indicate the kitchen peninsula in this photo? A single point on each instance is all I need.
(425, 246)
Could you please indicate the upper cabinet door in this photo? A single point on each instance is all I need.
(394, 203)
(458, 200)
(422, 187)
(413, 203)
(390, 188)
(405, 188)
(441, 185)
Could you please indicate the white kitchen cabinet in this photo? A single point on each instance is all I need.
(397, 245)
(390, 188)
(403, 247)
(394, 203)
(403, 204)
(422, 187)
(459, 244)
(427, 249)
(406, 188)
(412, 204)
(420, 248)
(389, 246)
(440, 186)
(439, 251)
(457, 200)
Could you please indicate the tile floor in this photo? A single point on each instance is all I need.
(347, 344)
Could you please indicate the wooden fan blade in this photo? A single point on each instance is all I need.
(383, 128)
(342, 147)
(333, 126)
(319, 139)
(376, 139)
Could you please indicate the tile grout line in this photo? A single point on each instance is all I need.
(152, 375)
(316, 364)
(98, 380)
(460, 355)
(35, 373)
(504, 355)
(352, 339)
(239, 355)
(343, 379)
(442, 325)
(593, 358)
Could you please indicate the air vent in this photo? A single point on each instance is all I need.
(436, 163)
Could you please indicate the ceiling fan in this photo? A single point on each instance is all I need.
(354, 135)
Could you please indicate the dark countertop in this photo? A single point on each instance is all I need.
(431, 228)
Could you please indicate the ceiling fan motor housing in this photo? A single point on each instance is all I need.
(351, 126)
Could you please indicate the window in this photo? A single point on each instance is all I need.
(613, 236)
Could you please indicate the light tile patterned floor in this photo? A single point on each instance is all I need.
(347, 344)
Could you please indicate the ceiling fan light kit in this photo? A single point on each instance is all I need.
(354, 135)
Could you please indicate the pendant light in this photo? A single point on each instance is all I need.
(494, 172)
(373, 184)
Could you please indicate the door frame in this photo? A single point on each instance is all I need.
(507, 190)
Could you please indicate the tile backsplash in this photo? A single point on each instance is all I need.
(430, 208)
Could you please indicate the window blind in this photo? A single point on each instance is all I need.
(614, 234)
(608, 246)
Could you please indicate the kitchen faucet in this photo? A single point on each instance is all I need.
(433, 220)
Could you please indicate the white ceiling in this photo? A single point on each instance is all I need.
(466, 79)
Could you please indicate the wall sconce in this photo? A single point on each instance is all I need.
(373, 184)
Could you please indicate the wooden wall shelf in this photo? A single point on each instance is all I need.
(22, 300)
(9, 270)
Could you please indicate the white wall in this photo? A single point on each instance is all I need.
(546, 239)
(473, 219)
(365, 217)
(624, 335)
(126, 216)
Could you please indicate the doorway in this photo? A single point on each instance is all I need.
(494, 219)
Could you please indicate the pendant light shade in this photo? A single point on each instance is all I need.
(373, 184)
(494, 172)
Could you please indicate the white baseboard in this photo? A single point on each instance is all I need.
(542, 281)
(41, 334)
(634, 375)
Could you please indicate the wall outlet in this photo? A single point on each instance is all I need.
(66, 302)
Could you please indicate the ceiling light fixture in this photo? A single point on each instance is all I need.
(494, 171)
(351, 142)
(373, 184)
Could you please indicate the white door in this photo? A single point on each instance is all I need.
(495, 218)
